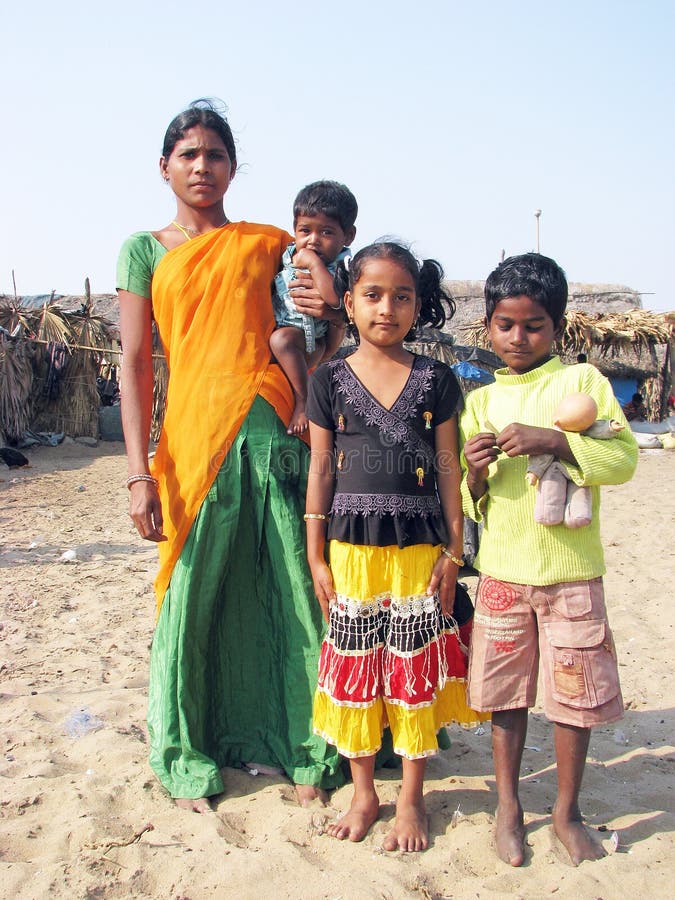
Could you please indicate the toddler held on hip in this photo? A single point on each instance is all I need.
(324, 213)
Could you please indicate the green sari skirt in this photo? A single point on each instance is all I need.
(234, 656)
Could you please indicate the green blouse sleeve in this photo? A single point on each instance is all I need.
(138, 259)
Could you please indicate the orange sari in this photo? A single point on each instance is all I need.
(211, 299)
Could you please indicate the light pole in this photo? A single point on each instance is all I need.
(537, 214)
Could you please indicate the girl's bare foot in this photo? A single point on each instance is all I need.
(510, 835)
(411, 829)
(354, 824)
(198, 805)
(576, 839)
(307, 794)
(299, 422)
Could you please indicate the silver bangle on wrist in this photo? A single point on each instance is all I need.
(132, 479)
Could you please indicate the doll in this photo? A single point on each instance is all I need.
(559, 499)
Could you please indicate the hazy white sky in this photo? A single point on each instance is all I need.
(451, 122)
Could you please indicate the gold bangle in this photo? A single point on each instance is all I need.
(458, 561)
(308, 516)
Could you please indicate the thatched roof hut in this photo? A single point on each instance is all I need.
(50, 359)
(591, 298)
(633, 344)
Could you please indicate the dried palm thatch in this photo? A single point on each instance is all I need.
(636, 330)
(161, 384)
(65, 350)
(14, 318)
(53, 326)
(16, 382)
(635, 343)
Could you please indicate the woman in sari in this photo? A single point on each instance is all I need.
(234, 655)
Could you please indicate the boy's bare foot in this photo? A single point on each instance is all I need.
(198, 805)
(510, 835)
(299, 422)
(411, 829)
(354, 824)
(576, 839)
(308, 794)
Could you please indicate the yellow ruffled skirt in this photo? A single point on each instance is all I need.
(390, 657)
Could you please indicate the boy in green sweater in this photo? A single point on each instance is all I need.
(540, 593)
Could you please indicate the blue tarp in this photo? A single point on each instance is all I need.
(472, 373)
(623, 388)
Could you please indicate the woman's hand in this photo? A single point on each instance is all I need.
(309, 302)
(323, 585)
(443, 579)
(146, 511)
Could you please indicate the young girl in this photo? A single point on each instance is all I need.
(384, 489)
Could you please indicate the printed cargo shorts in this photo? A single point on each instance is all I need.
(563, 625)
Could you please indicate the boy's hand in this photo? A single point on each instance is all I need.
(323, 585)
(522, 440)
(479, 452)
(307, 259)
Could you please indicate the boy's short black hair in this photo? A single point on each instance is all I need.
(331, 198)
(532, 275)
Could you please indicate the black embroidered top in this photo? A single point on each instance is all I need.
(385, 487)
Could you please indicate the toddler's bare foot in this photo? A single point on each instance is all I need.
(299, 422)
(576, 838)
(307, 794)
(510, 835)
(411, 829)
(198, 805)
(354, 824)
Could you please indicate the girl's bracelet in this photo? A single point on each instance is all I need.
(308, 516)
(458, 561)
(132, 479)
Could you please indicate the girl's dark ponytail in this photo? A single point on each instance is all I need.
(436, 304)
(432, 295)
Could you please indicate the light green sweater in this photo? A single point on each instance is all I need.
(513, 547)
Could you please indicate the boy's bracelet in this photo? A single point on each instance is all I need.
(458, 561)
(308, 516)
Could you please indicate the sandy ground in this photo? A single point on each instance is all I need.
(81, 814)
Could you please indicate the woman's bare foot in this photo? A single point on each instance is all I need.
(198, 805)
(576, 838)
(510, 835)
(411, 829)
(308, 794)
(354, 824)
(299, 422)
